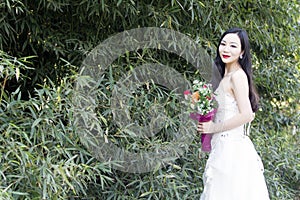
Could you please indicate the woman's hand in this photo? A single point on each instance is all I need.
(206, 127)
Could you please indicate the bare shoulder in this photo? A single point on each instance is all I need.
(239, 81)
(239, 77)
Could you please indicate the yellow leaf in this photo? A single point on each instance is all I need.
(17, 73)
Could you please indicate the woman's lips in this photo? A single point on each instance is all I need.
(225, 56)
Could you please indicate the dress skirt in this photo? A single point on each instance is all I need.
(234, 170)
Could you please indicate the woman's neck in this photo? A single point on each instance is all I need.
(230, 68)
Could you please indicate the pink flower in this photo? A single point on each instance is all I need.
(187, 92)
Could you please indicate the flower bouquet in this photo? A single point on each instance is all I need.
(202, 108)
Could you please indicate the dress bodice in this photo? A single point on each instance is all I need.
(227, 108)
(227, 105)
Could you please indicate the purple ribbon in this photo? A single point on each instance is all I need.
(205, 138)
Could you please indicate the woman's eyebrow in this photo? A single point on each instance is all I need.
(230, 42)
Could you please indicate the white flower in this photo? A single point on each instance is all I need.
(192, 106)
(195, 82)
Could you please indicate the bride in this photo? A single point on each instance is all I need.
(234, 170)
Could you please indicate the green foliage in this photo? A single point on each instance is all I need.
(42, 46)
(40, 153)
(10, 69)
(280, 152)
(68, 29)
(277, 81)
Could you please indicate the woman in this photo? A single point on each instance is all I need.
(234, 170)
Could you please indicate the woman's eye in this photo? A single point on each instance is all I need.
(223, 44)
(233, 46)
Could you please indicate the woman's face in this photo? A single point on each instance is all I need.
(230, 48)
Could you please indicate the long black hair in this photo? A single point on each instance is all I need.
(245, 63)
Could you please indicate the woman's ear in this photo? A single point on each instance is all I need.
(241, 55)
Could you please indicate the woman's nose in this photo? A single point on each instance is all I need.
(225, 48)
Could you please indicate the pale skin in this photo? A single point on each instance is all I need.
(235, 83)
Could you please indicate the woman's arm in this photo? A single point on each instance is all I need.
(240, 88)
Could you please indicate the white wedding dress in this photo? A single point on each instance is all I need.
(234, 170)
